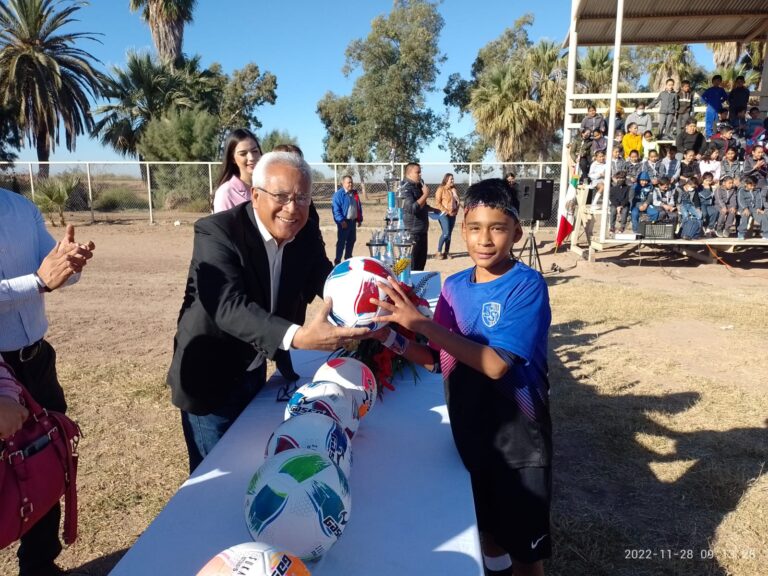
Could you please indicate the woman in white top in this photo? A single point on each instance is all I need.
(241, 153)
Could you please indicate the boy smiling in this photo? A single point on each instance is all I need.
(489, 339)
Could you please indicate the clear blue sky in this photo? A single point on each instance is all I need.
(303, 43)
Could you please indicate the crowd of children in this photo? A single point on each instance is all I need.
(705, 198)
(707, 184)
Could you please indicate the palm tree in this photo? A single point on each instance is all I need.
(144, 90)
(665, 61)
(166, 19)
(518, 106)
(50, 81)
(751, 77)
(725, 54)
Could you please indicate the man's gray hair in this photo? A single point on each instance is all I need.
(259, 177)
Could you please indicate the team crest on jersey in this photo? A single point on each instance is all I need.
(491, 313)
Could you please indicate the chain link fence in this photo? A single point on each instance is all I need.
(102, 191)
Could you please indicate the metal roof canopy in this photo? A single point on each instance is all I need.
(671, 21)
(608, 22)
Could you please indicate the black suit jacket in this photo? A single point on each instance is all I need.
(224, 320)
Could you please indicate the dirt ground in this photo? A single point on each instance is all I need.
(659, 400)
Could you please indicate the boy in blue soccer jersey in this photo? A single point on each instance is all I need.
(489, 339)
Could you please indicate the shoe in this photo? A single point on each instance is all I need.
(741, 237)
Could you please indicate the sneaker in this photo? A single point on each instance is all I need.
(741, 237)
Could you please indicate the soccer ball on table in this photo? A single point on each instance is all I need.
(298, 501)
(326, 398)
(313, 431)
(354, 376)
(253, 559)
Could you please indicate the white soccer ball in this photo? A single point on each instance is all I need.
(253, 559)
(354, 376)
(326, 398)
(313, 431)
(351, 284)
(298, 501)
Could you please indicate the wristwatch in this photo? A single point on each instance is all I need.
(41, 286)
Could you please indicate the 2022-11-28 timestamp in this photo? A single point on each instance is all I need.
(687, 553)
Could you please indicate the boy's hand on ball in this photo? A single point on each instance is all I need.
(401, 310)
(319, 334)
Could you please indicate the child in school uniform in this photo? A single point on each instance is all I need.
(642, 202)
(688, 199)
(668, 207)
(707, 204)
(710, 162)
(714, 97)
(618, 198)
(667, 101)
(689, 167)
(751, 203)
(671, 165)
(726, 203)
(633, 167)
(489, 339)
(730, 167)
(632, 140)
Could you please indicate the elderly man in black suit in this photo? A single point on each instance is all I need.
(254, 269)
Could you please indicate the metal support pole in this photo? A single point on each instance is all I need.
(335, 177)
(570, 83)
(471, 166)
(612, 117)
(210, 185)
(149, 193)
(90, 190)
(31, 181)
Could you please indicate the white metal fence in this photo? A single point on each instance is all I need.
(149, 189)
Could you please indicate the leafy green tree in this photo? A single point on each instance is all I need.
(398, 63)
(166, 20)
(181, 135)
(274, 137)
(143, 91)
(594, 71)
(518, 105)
(751, 77)
(242, 94)
(43, 72)
(10, 138)
(725, 54)
(665, 61)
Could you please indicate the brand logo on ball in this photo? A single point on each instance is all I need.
(491, 313)
(329, 507)
(282, 568)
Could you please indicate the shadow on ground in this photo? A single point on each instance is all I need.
(612, 516)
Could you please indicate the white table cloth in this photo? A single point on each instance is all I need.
(412, 509)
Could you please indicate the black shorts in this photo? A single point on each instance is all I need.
(508, 457)
(512, 506)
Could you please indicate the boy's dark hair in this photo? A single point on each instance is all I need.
(693, 181)
(707, 174)
(717, 77)
(494, 193)
(685, 83)
(739, 78)
(620, 175)
(753, 109)
(663, 180)
(634, 152)
(647, 132)
(690, 121)
(689, 150)
(673, 148)
(725, 179)
(669, 80)
(750, 180)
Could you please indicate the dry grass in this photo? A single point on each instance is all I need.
(659, 407)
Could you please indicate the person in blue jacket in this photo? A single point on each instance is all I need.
(348, 215)
(713, 97)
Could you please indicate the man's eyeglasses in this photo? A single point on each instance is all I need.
(283, 198)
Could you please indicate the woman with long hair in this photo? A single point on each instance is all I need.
(447, 200)
(241, 153)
